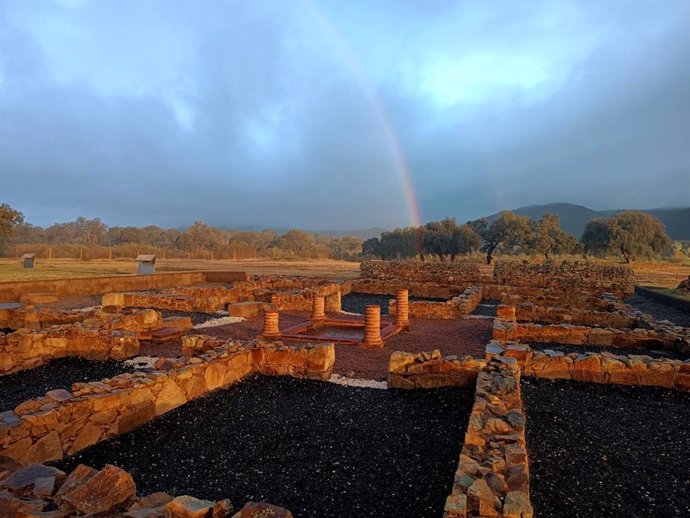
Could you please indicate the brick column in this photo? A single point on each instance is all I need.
(318, 308)
(402, 308)
(372, 326)
(271, 319)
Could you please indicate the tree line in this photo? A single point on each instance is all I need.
(91, 238)
(630, 234)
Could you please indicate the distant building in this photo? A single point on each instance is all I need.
(147, 264)
(29, 260)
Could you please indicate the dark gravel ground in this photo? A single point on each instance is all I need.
(487, 308)
(7, 330)
(316, 448)
(197, 318)
(598, 349)
(60, 373)
(659, 311)
(356, 302)
(607, 450)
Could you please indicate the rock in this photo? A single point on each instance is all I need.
(188, 507)
(44, 487)
(27, 477)
(481, 499)
(517, 505)
(102, 492)
(262, 510)
(78, 476)
(150, 506)
(222, 509)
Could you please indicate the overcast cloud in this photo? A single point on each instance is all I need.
(290, 113)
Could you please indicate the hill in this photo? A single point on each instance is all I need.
(575, 217)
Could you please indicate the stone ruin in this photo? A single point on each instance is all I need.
(575, 305)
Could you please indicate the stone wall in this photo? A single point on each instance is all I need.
(492, 479)
(457, 307)
(103, 335)
(455, 273)
(567, 275)
(289, 293)
(662, 337)
(169, 301)
(63, 422)
(430, 370)
(597, 367)
(11, 291)
(526, 312)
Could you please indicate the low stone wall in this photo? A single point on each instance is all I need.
(681, 303)
(168, 301)
(596, 367)
(662, 337)
(28, 349)
(63, 422)
(526, 312)
(459, 272)
(551, 297)
(80, 287)
(457, 307)
(430, 370)
(492, 479)
(567, 275)
(30, 317)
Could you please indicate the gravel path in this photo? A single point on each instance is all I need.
(60, 373)
(318, 449)
(460, 337)
(537, 346)
(356, 302)
(659, 311)
(607, 450)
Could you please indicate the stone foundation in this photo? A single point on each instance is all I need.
(430, 370)
(63, 422)
(661, 337)
(492, 479)
(457, 307)
(596, 367)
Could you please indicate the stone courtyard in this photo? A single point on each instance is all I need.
(228, 394)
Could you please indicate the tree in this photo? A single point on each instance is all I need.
(9, 219)
(632, 234)
(547, 238)
(447, 238)
(638, 234)
(596, 238)
(508, 230)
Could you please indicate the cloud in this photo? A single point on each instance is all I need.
(291, 114)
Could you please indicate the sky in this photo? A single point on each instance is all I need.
(340, 115)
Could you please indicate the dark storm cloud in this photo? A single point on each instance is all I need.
(278, 113)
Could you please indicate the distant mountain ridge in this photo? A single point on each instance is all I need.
(575, 217)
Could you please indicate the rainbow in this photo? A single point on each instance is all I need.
(340, 45)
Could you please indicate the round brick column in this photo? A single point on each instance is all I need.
(402, 308)
(372, 326)
(318, 308)
(271, 319)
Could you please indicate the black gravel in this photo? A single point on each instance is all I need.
(537, 346)
(607, 450)
(60, 373)
(316, 448)
(356, 302)
(7, 330)
(197, 318)
(659, 311)
(486, 308)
